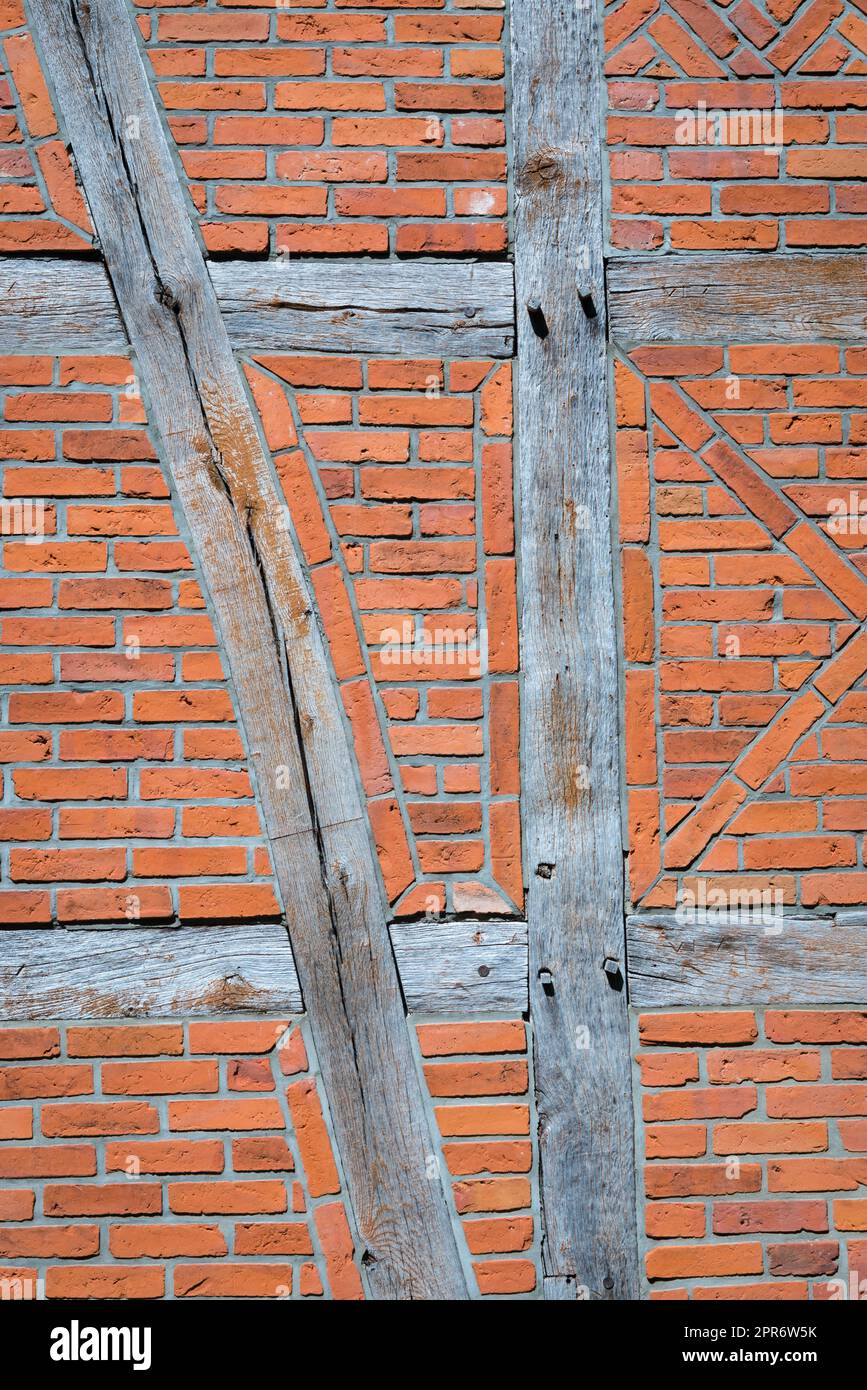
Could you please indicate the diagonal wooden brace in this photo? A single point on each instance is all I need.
(298, 749)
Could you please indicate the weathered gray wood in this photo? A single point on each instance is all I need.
(58, 306)
(463, 310)
(738, 298)
(467, 967)
(570, 711)
(471, 967)
(298, 747)
(364, 306)
(141, 972)
(797, 961)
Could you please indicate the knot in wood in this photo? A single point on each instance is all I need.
(167, 296)
(541, 170)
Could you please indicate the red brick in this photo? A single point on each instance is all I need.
(144, 1281)
(164, 1242)
(232, 1281)
(261, 1113)
(226, 1198)
(110, 1199)
(337, 1246)
(312, 1137)
(704, 1028)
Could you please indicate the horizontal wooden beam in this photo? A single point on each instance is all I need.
(58, 305)
(448, 308)
(738, 298)
(469, 967)
(474, 967)
(791, 961)
(442, 308)
(135, 972)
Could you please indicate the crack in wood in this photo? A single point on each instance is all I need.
(327, 873)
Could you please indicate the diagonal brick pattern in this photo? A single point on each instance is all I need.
(156, 1159)
(743, 507)
(398, 480)
(736, 126)
(41, 206)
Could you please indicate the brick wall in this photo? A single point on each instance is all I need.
(194, 1160)
(331, 130)
(478, 1077)
(755, 1153)
(127, 794)
(398, 478)
(742, 483)
(337, 129)
(41, 208)
(736, 126)
(742, 495)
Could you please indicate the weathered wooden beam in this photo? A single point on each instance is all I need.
(137, 972)
(738, 298)
(793, 961)
(432, 308)
(58, 305)
(462, 967)
(570, 764)
(466, 967)
(381, 306)
(298, 748)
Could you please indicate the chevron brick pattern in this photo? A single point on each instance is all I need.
(743, 512)
(737, 126)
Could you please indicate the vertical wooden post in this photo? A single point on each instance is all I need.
(569, 635)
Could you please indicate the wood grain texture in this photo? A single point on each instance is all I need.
(136, 973)
(298, 748)
(58, 306)
(735, 298)
(363, 306)
(434, 308)
(570, 699)
(463, 967)
(806, 961)
(466, 967)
